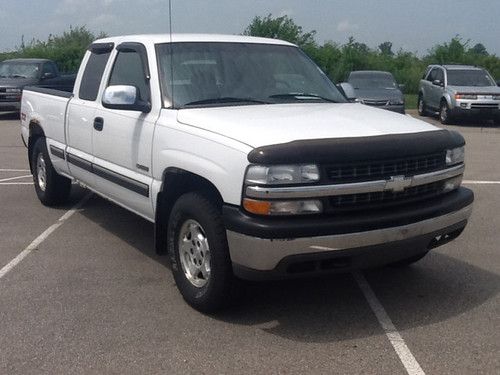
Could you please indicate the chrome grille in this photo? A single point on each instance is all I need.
(386, 198)
(379, 103)
(384, 169)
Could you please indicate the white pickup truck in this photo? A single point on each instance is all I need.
(248, 160)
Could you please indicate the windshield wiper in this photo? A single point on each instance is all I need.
(227, 99)
(301, 95)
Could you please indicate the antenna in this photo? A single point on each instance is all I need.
(171, 51)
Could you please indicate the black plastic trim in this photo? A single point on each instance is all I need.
(101, 48)
(79, 162)
(123, 181)
(340, 150)
(58, 152)
(322, 225)
(53, 92)
(116, 178)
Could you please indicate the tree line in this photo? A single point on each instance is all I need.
(336, 59)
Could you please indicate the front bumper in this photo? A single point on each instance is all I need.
(476, 108)
(270, 248)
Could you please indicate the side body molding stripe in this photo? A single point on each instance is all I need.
(116, 178)
(58, 152)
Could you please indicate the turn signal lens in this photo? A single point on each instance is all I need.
(282, 207)
(257, 207)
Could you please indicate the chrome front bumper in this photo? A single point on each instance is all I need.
(261, 254)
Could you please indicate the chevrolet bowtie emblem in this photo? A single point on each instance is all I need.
(398, 183)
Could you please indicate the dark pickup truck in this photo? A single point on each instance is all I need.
(15, 74)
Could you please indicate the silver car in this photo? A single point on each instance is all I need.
(457, 91)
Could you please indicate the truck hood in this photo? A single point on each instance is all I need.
(262, 125)
(17, 82)
(476, 89)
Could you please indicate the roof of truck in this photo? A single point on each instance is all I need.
(175, 38)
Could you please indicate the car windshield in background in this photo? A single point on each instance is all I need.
(372, 81)
(218, 74)
(464, 77)
(19, 70)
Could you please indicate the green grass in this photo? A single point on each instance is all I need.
(411, 101)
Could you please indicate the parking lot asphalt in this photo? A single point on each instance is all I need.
(94, 298)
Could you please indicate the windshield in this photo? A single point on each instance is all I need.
(216, 74)
(469, 78)
(19, 70)
(372, 81)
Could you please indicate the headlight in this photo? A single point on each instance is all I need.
(13, 90)
(455, 156)
(396, 102)
(465, 96)
(282, 174)
(276, 208)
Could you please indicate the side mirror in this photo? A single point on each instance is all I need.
(437, 82)
(401, 86)
(348, 91)
(498, 82)
(48, 75)
(125, 98)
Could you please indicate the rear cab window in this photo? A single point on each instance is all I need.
(92, 75)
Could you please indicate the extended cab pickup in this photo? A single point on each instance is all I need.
(15, 74)
(247, 159)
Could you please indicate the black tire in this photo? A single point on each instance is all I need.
(51, 188)
(421, 106)
(195, 217)
(409, 261)
(444, 113)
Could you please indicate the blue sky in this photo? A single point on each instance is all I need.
(412, 25)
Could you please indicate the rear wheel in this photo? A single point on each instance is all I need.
(199, 253)
(421, 107)
(51, 188)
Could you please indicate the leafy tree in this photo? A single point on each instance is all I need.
(479, 49)
(66, 50)
(386, 49)
(280, 28)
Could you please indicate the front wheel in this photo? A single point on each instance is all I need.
(51, 188)
(199, 253)
(444, 113)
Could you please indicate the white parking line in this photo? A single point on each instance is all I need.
(14, 178)
(16, 183)
(32, 246)
(472, 182)
(14, 170)
(406, 357)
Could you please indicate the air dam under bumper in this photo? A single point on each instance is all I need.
(255, 257)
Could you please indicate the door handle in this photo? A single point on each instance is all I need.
(98, 123)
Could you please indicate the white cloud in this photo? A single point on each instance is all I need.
(346, 25)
